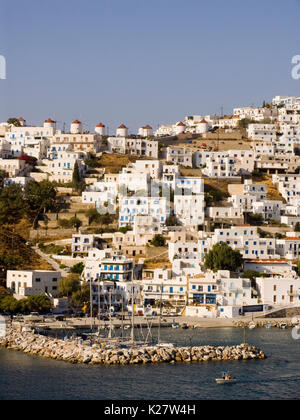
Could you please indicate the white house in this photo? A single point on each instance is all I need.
(130, 207)
(266, 132)
(180, 155)
(278, 290)
(29, 283)
(14, 167)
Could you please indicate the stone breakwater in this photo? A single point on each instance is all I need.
(74, 352)
(264, 323)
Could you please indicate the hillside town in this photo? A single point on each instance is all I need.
(198, 218)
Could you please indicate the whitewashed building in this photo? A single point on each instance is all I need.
(29, 283)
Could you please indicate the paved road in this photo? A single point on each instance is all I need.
(50, 261)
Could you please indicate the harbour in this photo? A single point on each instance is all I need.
(277, 377)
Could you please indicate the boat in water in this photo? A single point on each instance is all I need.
(175, 324)
(226, 379)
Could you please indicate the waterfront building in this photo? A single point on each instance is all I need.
(29, 283)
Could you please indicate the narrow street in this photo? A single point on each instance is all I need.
(50, 261)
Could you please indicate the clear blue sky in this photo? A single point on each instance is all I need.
(144, 61)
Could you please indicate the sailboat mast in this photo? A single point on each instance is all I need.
(110, 319)
(132, 309)
(122, 333)
(91, 303)
(159, 321)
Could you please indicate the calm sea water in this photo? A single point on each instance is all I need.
(278, 377)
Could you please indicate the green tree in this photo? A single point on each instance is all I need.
(39, 303)
(76, 223)
(255, 218)
(93, 216)
(39, 198)
(78, 185)
(11, 205)
(158, 241)
(92, 161)
(3, 175)
(9, 304)
(244, 123)
(64, 223)
(125, 229)
(3, 292)
(250, 274)
(14, 121)
(82, 295)
(76, 174)
(223, 257)
(77, 268)
(171, 221)
(9, 262)
(69, 285)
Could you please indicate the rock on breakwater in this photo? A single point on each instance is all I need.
(75, 352)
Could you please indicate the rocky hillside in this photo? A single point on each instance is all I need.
(15, 254)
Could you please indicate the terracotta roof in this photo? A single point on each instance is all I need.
(147, 127)
(122, 126)
(76, 122)
(180, 124)
(203, 122)
(100, 125)
(291, 239)
(21, 119)
(50, 121)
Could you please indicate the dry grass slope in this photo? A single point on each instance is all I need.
(216, 184)
(114, 163)
(273, 193)
(13, 245)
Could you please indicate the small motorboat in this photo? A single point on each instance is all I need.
(226, 379)
(175, 324)
(185, 326)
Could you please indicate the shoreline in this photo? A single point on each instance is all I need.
(201, 323)
(74, 351)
